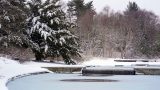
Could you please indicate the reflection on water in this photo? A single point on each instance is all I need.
(78, 82)
(89, 80)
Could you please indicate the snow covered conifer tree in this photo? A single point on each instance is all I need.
(49, 29)
(12, 23)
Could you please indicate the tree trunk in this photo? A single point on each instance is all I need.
(39, 56)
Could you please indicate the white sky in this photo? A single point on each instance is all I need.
(120, 5)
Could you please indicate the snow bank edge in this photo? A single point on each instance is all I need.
(24, 75)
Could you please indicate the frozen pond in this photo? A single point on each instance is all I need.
(78, 82)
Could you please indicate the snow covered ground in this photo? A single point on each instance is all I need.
(110, 62)
(42, 64)
(10, 68)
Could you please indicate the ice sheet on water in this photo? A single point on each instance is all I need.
(50, 81)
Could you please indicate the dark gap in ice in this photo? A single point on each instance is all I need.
(88, 80)
(96, 75)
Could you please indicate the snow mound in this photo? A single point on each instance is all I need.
(5, 61)
(10, 69)
(99, 62)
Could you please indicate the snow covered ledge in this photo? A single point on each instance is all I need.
(10, 70)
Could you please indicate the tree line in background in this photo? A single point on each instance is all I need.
(133, 33)
(43, 29)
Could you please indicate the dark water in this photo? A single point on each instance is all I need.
(78, 82)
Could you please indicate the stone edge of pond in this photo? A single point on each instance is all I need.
(25, 75)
